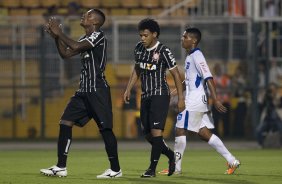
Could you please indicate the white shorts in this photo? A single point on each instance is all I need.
(194, 121)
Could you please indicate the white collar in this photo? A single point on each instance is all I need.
(155, 46)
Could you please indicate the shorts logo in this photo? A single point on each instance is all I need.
(156, 123)
(179, 116)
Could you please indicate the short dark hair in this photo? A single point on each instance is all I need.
(195, 32)
(149, 24)
(101, 15)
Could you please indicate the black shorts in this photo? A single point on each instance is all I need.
(84, 106)
(154, 111)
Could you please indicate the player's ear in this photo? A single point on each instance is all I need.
(155, 34)
(194, 41)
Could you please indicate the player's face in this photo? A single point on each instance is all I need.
(87, 18)
(148, 38)
(187, 41)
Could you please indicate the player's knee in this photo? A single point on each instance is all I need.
(148, 137)
(67, 123)
(180, 132)
(204, 134)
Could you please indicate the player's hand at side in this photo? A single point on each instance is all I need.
(219, 107)
(181, 105)
(126, 96)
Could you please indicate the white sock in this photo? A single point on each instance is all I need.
(179, 148)
(218, 145)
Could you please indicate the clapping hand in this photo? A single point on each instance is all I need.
(53, 27)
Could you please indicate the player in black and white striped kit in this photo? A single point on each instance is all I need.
(152, 59)
(92, 99)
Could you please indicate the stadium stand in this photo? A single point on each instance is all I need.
(49, 3)
(130, 3)
(90, 3)
(149, 3)
(11, 4)
(111, 7)
(30, 3)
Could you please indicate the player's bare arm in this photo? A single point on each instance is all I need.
(75, 46)
(218, 105)
(132, 81)
(65, 51)
(178, 84)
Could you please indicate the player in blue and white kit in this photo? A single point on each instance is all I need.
(197, 116)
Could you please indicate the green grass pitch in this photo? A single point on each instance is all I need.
(199, 166)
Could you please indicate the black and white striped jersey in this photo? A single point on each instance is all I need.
(153, 63)
(93, 63)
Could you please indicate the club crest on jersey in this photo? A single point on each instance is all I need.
(156, 57)
(179, 117)
(148, 66)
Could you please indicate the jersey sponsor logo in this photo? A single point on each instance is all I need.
(170, 55)
(156, 57)
(94, 36)
(204, 67)
(187, 65)
(179, 117)
(148, 66)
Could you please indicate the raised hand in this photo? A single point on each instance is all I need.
(53, 27)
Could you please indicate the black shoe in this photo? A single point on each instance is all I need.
(148, 174)
(171, 166)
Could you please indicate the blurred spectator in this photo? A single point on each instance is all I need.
(261, 76)
(271, 108)
(261, 81)
(73, 9)
(223, 85)
(239, 89)
(270, 9)
(275, 73)
(236, 7)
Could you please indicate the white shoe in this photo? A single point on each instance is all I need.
(110, 174)
(55, 171)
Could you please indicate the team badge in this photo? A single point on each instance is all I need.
(179, 117)
(156, 57)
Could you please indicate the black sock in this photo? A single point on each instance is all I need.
(64, 142)
(156, 151)
(111, 148)
(165, 149)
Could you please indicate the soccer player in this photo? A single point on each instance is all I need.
(197, 116)
(152, 59)
(92, 99)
